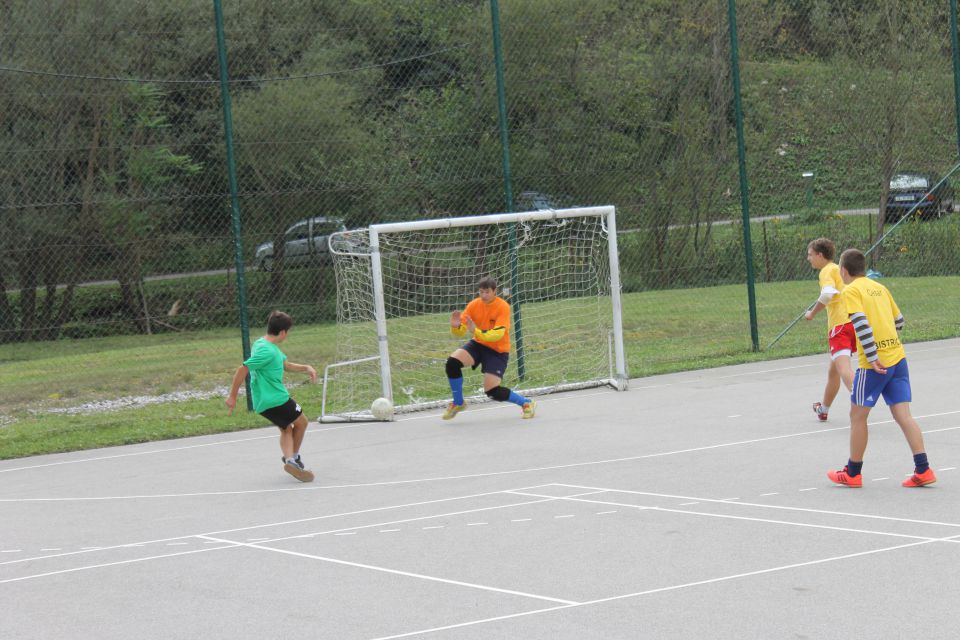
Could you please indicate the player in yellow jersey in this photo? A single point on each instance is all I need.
(840, 336)
(487, 321)
(882, 371)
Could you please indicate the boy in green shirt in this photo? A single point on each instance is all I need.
(271, 399)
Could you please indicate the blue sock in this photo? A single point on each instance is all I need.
(456, 385)
(517, 399)
(854, 468)
(920, 460)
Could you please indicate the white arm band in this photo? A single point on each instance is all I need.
(826, 294)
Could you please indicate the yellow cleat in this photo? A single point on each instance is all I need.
(453, 410)
(529, 409)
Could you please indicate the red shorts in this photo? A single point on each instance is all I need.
(842, 339)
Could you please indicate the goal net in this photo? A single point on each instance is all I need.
(398, 283)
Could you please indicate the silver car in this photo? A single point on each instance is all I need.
(305, 244)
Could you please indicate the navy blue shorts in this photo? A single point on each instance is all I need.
(894, 386)
(487, 359)
(283, 415)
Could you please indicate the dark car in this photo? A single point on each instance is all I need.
(909, 188)
(305, 244)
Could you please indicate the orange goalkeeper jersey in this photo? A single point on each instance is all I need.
(488, 318)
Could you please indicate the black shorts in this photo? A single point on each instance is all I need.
(487, 359)
(283, 415)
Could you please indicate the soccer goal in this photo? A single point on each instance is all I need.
(398, 283)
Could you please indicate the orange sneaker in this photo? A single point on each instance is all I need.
(842, 477)
(920, 479)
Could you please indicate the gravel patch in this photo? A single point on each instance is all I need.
(134, 402)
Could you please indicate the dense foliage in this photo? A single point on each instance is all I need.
(114, 165)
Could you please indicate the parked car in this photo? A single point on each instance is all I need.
(305, 244)
(534, 201)
(910, 187)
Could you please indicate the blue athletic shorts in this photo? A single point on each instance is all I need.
(487, 359)
(894, 386)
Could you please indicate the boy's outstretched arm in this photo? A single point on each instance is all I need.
(300, 368)
(238, 379)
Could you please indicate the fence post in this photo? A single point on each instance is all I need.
(234, 198)
(742, 156)
(515, 292)
(955, 45)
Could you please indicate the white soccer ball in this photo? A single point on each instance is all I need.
(382, 409)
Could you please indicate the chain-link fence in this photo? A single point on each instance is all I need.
(115, 215)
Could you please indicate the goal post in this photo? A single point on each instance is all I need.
(397, 284)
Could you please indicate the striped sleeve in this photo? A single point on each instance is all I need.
(898, 322)
(864, 335)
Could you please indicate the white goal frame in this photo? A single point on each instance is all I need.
(607, 214)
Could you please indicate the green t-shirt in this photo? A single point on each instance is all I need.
(266, 375)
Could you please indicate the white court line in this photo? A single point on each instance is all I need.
(332, 531)
(283, 523)
(168, 450)
(577, 396)
(397, 572)
(540, 500)
(676, 587)
(113, 564)
(722, 516)
(765, 506)
(467, 476)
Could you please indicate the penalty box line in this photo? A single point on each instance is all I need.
(763, 506)
(744, 518)
(212, 535)
(407, 574)
(668, 588)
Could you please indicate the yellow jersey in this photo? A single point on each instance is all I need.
(873, 300)
(836, 308)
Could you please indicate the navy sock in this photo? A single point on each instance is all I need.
(920, 461)
(854, 468)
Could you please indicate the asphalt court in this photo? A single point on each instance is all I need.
(694, 505)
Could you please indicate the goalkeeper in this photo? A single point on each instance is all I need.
(487, 320)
